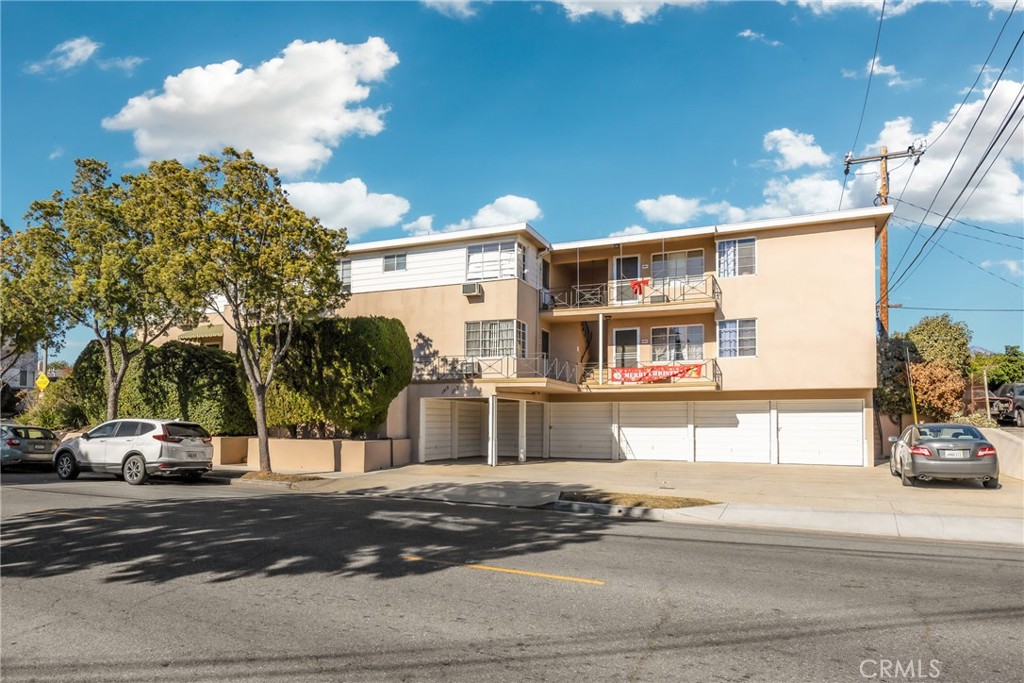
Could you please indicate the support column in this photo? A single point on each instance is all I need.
(492, 431)
(522, 431)
(600, 348)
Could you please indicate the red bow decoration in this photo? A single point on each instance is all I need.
(638, 286)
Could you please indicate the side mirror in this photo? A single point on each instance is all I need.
(893, 439)
(86, 436)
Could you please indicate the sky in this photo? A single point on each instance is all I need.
(584, 119)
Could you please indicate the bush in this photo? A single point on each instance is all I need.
(58, 408)
(174, 381)
(978, 419)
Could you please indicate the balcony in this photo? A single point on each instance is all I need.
(643, 297)
(460, 368)
(645, 375)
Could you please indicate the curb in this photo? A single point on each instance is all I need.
(606, 510)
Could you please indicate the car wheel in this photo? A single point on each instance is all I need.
(192, 476)
(67, 468)
(135, 470)
(904, 479)
(892, 466)
(991, 483)
(1018, 417)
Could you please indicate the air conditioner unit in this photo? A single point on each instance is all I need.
(657, 299)
(470, 368)
(472, 289)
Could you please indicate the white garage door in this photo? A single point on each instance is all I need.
(821, 432)
(732, 431)
(437, 429)
(581, 430)
(654, 431)
(471, 425)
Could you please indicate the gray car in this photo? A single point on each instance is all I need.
(21, 444)
(944, 451)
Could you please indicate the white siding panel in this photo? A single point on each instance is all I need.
(653, 431)
(732, 431)
(444, 265)
(581, 430)
(508, 429)
(471, 437)
(821, 432)
(437, 429)
(535, 430)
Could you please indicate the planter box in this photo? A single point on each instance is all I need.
(365, 456)
(401, 452)
(299, 455)
(230, 450)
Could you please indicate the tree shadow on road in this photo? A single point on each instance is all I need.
(285, 534)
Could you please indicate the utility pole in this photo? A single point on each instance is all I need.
(914, 151)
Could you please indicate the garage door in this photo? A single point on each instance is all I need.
(732, 431)
(821, 432)
(437, 429)
(581, 430)
(470, 429)
(508, 429)
(654, 431)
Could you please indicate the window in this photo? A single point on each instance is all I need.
(128, 428)
(678, 264)
(679, 342)
(345, 272)
(492, 338)
(495, 260)
(736, 257)
(23, 378)
(103, 430)
(737, 338)
(393, 262)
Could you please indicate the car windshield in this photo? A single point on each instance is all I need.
(950, 432)
(182, 429)
(33, 433)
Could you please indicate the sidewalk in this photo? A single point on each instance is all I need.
(840, 499)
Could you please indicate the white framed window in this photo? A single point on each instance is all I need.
(678, 265)
(393, 262)
(345, 273)
(677, 342)
(495, 338)
(737, 338)
(737, 257)
(495, 261)
(23, 377)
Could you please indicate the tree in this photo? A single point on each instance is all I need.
(1007, 367)
(32, 300)
(939, 390)
(116, 250)
(940, 340)
(274, 267)
(893, 394)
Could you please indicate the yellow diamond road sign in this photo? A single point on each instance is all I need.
(42, 381)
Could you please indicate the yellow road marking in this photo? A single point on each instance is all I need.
(539, 575)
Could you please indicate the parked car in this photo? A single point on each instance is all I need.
(944, 451)
(1000, 407)
(1015, 392)
(137, 450)
(20, 445)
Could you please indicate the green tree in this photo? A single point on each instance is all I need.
(273, 266)
(32, 300)
(116, 251)
(938, 339)
(892, 394)
(1008, 367)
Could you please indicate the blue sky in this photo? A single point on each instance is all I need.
(586, 119)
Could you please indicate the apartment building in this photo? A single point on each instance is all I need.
(752, 342)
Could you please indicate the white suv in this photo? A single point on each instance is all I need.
(138, 449)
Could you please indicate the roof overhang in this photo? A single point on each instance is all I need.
(453, 236)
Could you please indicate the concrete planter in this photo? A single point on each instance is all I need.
(230, 450)
(1010, 448)
(332, 455)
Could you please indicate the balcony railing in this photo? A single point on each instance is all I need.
(540, 366)
(639, 291)
(657, 372)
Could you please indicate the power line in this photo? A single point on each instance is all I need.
(962, 310)
(867, 91)
(979, 267)
(961, 234)
(954, 220)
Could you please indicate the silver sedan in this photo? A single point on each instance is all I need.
(944, 451)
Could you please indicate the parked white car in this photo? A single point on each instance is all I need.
(138, 449)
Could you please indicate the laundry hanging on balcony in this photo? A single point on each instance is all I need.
(638, 286)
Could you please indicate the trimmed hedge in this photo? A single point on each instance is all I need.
(173, 381)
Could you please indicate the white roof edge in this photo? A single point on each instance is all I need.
(454, 236)
(876, 212)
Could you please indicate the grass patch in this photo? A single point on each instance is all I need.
(633, 499)
(275, 476)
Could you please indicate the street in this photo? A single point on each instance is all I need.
(174, 582)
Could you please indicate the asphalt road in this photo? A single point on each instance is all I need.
(176, 582)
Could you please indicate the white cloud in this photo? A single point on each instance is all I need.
(797, 149)
(457, 9)
(126, 64)
(56, 153)
(670, 208)
(291, 111)
(424, 225)
(347, 205)
(893, 8)
(893, 77)
(630, 12)
(66, 56)
(502, 211)
(631, 230)
(757, 37)
(1014, 268)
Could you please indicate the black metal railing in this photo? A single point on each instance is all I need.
(450, 368)
(656, 372)
(639, 291)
